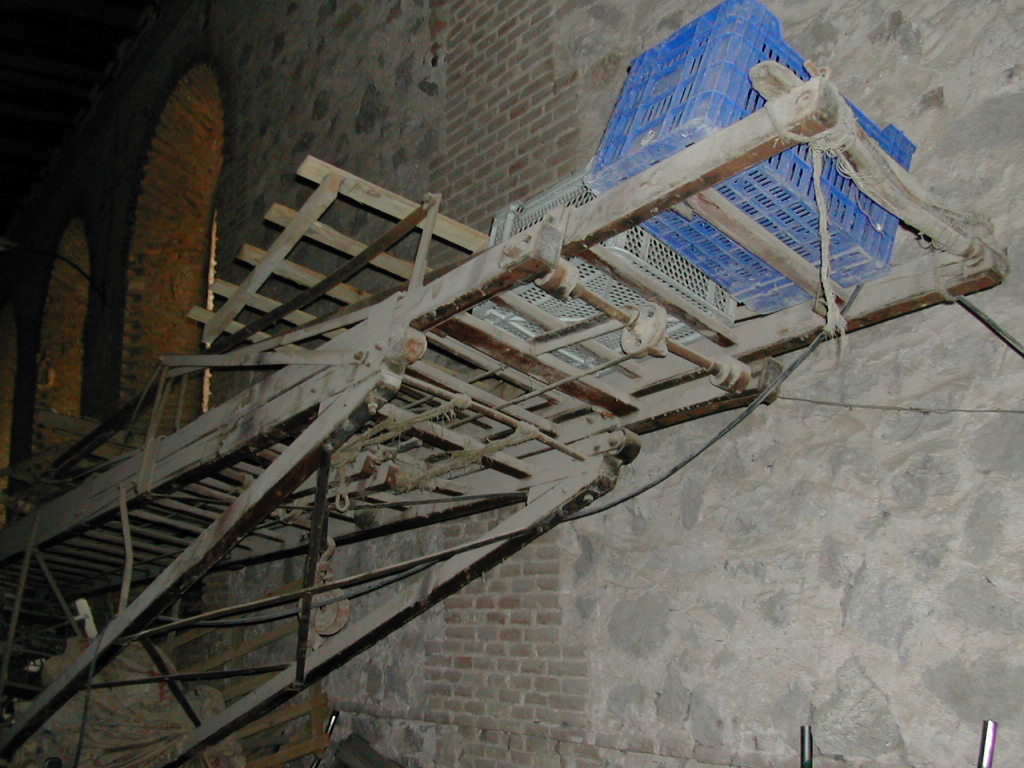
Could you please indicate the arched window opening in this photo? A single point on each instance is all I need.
(169, 258)
(61, 340)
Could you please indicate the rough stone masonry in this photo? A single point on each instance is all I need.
(856, 569)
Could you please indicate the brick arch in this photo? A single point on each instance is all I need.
(170, 253)
(61, 339)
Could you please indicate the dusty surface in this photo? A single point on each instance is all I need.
(854, 569)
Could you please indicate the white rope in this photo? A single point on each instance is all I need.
(835, 323)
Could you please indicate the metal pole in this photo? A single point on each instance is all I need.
(55, 588)
(12, 630)
(988, 743)
(318, 522)
(806, 747)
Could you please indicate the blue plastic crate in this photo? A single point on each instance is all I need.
(696, 83)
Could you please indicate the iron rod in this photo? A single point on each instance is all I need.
(986, 753)
(318, 522)
(806, 747)
(191, 676)
(172, 682)
(19, 596)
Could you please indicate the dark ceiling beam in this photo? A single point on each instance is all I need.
(32, 114)
(76, 43)
(25, 149)
(41, 83)
(94, 11)
(37, 65)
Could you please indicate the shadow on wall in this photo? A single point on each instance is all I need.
(61, 342)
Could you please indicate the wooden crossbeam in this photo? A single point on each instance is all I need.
(587, 479)
(332, 238)
(337, 277)
(312, 210)
(300, 275)
(393, 205)
(717, 209)
(340, 418)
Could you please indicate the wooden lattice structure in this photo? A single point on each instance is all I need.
(408, 401)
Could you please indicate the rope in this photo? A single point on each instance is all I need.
(835, 323)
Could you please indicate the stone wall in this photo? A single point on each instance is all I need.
(856, 569)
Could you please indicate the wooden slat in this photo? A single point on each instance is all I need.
(332, 238)
(380, 199)
(727, 218)
(345, 272)
(591, 478)
(303, 276)
(261, 303)
(314, 207)
(202, 315)
(339, 418)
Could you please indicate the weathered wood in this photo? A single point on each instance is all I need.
(312, 294)
(730, 220)
(419, 265)
(806, 111)
(259, 302)
(388, 202)
(341, 417)
(332, 238)
(528, 255)
(908, 288)
(513, 351)
(302, 276)
(312, 210)
(591, 478)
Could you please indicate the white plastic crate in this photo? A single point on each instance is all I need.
(646, 252)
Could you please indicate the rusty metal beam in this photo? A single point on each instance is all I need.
(590, 480)
(339, 418)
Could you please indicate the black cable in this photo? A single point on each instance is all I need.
(992, 325)
(88, 698)
(289, 612)
(757, 401)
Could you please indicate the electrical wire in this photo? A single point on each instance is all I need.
(753, 406)
(992, 325)
(289, 612)
(911, 408)
(88, 697)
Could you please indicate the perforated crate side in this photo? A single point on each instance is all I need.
(656, 259)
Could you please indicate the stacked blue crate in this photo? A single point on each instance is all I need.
(695, 83)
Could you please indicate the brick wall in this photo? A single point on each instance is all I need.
(169, 258)
(503, 665)
(509, 122)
